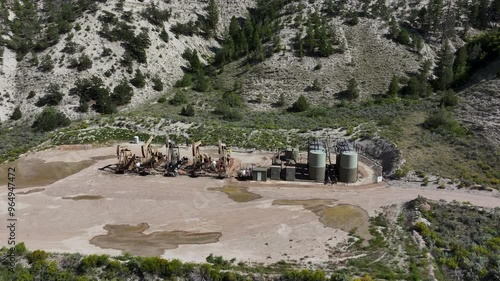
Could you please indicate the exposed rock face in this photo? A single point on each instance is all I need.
(383, 151)
(480, 109)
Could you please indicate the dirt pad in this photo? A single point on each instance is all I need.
(345, 217)
(238, 194)
(84, 197)
(35, 172)
(131, 239)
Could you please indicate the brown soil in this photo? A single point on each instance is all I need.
(131, 239)
(84, 197)
(238, 194)
(36, 172)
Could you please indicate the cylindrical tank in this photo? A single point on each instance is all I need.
(348, 170)
(136, 139)
(317, 165)
(314, 146)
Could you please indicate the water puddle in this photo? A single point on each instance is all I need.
(344, 217)
(36, 172)
(237, 193)
(84, 197)
(131, 239)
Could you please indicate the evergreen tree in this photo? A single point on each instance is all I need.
(483, 15)
(300, 105)
(187, 110)
(122, 93)
(435, 14)
(393, 28)
(412, 89)
(393, 87)
(495, 10)
(316, 85)
(444, 69)
(212, 17)
(281, 101)
(352, 92)
(139, 80)
(309, 42)
(460, 65)
(325, 45)
(16, 115)
(258, 54)
(403, 37)
(50, 119)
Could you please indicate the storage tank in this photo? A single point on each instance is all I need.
(317, 165)
(136, 140)
(348, 170)
(315, 146)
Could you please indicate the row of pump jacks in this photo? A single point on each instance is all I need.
(151, 160)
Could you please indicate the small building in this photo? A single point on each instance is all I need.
(290, 173)
(259, 174)
(275, 172)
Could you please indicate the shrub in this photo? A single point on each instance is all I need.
(37, 255)
(52, 98)
(157, 84)
(162, 100)
(449, 99)
(164, 36)
(187, 111)
(186, 81)
(179, 98)
(122, 93)
(316, 85)
(202, 84)
(31, 94)
(352, 91)
(138, 81)
(402, 172)
(16, 115)
(92, 261)
(84, 63)
(443, 122)
(46, 64)
(154, 15)
(50, 119)
(189, 28)
(300, 105)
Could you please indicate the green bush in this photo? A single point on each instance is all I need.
(16, 115)
(442, 122)
(139, 80)
(186, 81)
(156, 16)
(53, 96)
(31, 95)
(157, 84)
(449, 98)
(179, 98)
(84, 63)
(122, 93)
(162, 99)
(37, 255)
(50, 119)
(187, 111)
(46, 64)
(300, 105)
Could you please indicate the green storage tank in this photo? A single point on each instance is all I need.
(348, 170)
(259, 174)
(317, 165)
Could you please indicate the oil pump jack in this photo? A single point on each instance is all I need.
(200, 161)
(172, 159)
(222, 165)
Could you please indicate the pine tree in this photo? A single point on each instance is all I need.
(300, 105)
(393, 87)
(352, 92)
(309, 42)
(393, 28)
(483, 15)
(16, 115)
(139, 80)
(444, 69)
(258, 54)
(460, 65)
(212, 17)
